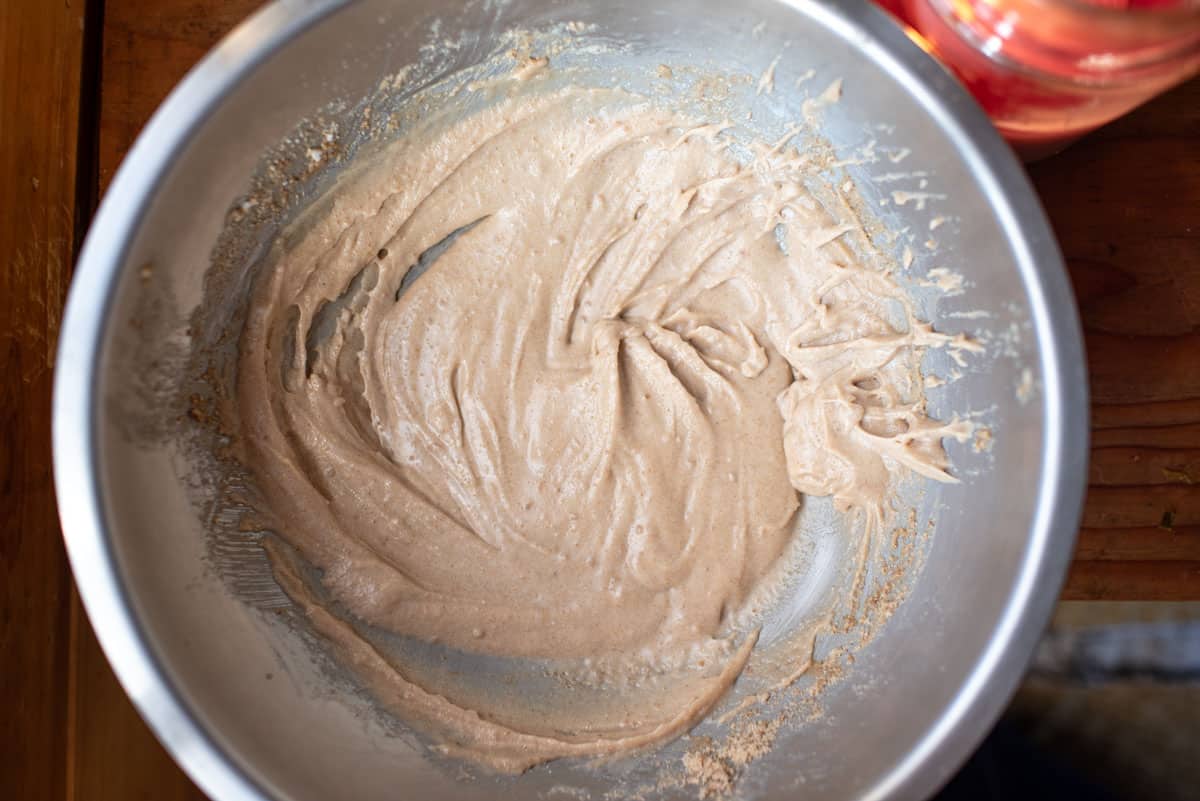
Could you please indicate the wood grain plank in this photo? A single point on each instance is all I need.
(1146, 544)
(115, 757)
(1125, 205)
(1143, 369)
(1141, 415)
(1143, 580)
(1182, 435)
(1142, 505)
(148, 46)
(41, 47)
(1144, 466)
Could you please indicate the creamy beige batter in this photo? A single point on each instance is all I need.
(583, 433)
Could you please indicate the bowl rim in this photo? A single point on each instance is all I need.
(932, 759)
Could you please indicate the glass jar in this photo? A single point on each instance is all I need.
(1049, 71)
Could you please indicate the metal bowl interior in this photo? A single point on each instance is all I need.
(237, 699)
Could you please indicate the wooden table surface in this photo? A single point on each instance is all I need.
(79, 78)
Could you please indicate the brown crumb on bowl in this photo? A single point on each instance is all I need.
(983, 440)
(714, 768)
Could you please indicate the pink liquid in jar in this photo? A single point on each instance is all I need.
(1049, 71)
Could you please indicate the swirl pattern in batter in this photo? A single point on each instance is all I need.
(550, 382)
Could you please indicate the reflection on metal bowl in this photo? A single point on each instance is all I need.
(245, 703)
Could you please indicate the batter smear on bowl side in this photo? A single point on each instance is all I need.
(550, 382)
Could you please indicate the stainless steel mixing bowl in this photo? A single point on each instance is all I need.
(233, 696)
